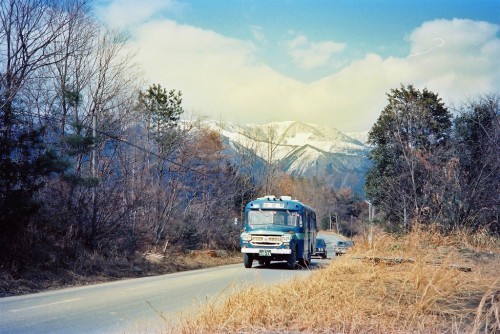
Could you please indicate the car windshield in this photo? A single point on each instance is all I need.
(271, 217)
(344, 243)
(320, 243)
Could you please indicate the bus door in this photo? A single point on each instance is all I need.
(307, 229)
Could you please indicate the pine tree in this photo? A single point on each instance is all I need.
(162, 110)
(25, 162)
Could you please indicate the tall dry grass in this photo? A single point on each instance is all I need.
(408, 284)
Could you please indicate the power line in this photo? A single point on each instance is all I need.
(116, 138)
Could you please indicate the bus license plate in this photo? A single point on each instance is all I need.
(264, 252)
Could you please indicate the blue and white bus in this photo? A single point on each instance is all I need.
(278, 229)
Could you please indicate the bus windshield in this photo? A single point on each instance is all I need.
(270, 217)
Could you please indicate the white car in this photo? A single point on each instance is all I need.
(342, 246)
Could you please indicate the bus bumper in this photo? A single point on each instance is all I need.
(273, 250)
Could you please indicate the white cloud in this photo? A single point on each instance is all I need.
(466, 63)
(218, 76)
(222, 78)
(310, 55)
(128, 13)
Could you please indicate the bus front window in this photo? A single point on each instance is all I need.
(269, 217)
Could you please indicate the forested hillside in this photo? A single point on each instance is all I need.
(90, 161)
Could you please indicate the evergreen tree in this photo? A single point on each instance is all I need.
(25, 162)
(162, 110)
(412, 128)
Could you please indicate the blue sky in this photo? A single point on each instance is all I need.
(322, 62)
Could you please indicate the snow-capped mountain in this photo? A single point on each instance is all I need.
(359, 136)
(300, 149)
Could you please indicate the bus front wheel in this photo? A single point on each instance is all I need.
(247, 260)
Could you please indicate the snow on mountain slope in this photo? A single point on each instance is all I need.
(362, 137)
(283, 137)
(301, 149)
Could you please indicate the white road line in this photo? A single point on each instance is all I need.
(44, 305)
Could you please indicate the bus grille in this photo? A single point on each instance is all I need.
(266, 240)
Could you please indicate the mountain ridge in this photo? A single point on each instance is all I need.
(300, 149)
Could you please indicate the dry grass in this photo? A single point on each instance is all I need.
(356, 294)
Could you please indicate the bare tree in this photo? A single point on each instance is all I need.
(93, 96)
(28, 41)
(473, 176)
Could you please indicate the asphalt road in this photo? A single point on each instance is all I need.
(136, 305)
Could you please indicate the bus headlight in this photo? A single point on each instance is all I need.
(246, 236)
(286, 238)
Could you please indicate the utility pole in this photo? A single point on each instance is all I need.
(94, 153)
(93, 169)
(371, 213)
(337, 222)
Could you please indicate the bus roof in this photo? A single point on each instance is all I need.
(272, 202)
